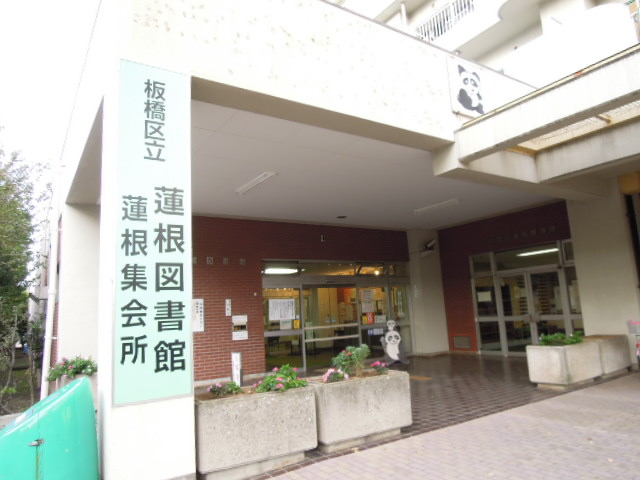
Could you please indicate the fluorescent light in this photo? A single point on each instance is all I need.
(435, 206)
(537, 252)
(280, 271)
(263, 177)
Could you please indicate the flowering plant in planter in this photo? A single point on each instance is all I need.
(334, 375)
(73, 367)
(351, 359)
(280, 379)
(380, 367)
(222, 389)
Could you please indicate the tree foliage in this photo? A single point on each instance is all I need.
(18, 204)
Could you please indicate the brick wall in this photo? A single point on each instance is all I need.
(237, 248)
(535, 226)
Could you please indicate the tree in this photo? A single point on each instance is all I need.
(17, 205)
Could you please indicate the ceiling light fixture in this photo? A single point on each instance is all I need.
(537, 252)
(280, 271)
(435, 206)
(260, 179)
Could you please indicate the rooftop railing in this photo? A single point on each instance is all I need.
(445, 19)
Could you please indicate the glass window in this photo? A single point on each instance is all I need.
(567, 247)
(373, 305)
(546, 254)
(572, 287)
(546, 293)
(481, 263)
(485, 297)
(518, 336)
(281, 316)
(514, 295)
(318, 268)
(490, 337)
(397, 269)
(370, 269)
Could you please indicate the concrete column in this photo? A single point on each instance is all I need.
(605, 264)
(428, 314)
(154, 437)
(78, 287)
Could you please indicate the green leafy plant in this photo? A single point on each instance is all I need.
(280, 379)
(557, 339)
(351, 359)
(71, 368)
(222, 389)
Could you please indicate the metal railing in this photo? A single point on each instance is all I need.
(445, 19)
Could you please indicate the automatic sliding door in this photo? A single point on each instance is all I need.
(282, 327)
(330, 322)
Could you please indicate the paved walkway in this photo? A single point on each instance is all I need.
(590, 433)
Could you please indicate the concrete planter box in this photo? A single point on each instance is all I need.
(362, 409)
(246, 435)
(564, 365)
(615, 356)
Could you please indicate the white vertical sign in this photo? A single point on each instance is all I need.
(153, 344)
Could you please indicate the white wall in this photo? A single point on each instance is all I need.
(428, 314)
(605, 264)
(78, 287)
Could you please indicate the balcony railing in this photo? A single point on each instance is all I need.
(445, 19)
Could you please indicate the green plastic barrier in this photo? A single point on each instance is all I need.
(54, 440)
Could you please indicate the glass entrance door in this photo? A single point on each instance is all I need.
(282, 327)
(528, 305)
(330, 322)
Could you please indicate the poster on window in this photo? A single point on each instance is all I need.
(368, 300)
(282, 309)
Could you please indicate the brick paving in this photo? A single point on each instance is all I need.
(480, 417)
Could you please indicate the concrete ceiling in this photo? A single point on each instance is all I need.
(323, 174)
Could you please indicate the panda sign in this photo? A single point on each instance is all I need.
(392, 345)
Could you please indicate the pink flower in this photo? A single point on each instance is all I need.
(280, 379)
(295, 369)
(279, 386)
(348, 354)
(375, 364)
(70, 367)
(275, 369)
(219, 385)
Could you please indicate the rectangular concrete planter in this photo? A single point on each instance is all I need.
(563, 365)
(246, 435)
(353, 411)
(615, 356)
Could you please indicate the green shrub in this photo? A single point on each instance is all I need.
(556, 339)
(351, 359)
(281, 379)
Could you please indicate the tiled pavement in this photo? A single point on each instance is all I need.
(588, 433)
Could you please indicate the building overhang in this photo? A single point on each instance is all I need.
(564, 139)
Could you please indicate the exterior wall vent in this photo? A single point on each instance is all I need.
(462, 342)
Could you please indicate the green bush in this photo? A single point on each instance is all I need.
(351, 359)
(557, 339)
(281, 379)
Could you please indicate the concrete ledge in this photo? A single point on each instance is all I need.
(353, 411)
(246, 435)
